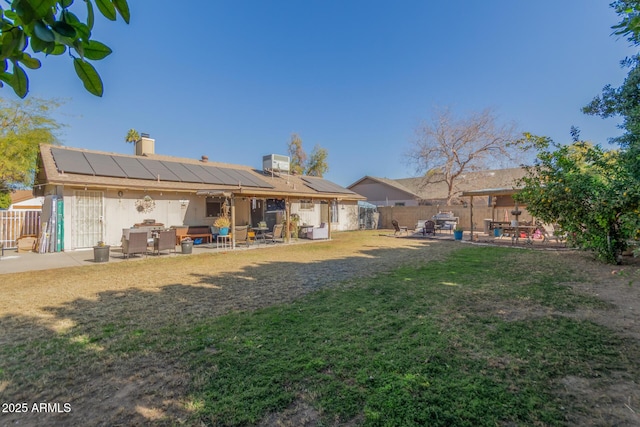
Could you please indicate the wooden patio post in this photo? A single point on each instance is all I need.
(471, 216)
(233, 222)
(287, 212)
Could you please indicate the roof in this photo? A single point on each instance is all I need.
(21, 196)
(469, 181)
(491, 192)
(97, 169)
(394, 183)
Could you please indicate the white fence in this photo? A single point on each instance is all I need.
(17, 223)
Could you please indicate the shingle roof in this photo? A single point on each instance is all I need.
(477, 180)
(395, 183)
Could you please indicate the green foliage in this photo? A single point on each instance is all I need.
(132, 136)
(629, 26)
(50, 27)
(317, 164)
(23, 127)
(297, 155)
(5, 199)
(589, 192)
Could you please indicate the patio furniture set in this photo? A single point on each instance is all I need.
(145, 239)
(439, 222)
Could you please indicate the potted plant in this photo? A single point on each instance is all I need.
(101, 252)
(294, 219)
(223, 223)
(457, 233)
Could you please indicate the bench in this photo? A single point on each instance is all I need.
(193, 232)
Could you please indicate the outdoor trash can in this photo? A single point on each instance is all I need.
(187, 246)
(101, 253)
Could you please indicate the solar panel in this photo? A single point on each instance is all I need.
(228, 178)
(143, 168)
(71, 161)
(203, 174)
(158, 169)
(181, 172)
(133, 168)
(249, 177)
(222, 177)
(104, 165)
(324, 186)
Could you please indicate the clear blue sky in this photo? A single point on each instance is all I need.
(234, 79)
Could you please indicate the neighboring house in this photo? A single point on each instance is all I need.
(103, 193)
(417, 191)
(385, 192)
(24, 199)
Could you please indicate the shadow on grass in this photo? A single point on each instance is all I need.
(113, 358)
(126, 357)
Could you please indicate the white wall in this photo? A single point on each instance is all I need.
(120, 211)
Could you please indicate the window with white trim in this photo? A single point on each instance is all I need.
(306, 205)
(334, 211)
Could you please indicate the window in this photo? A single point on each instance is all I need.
(306, 205)
(214, 206)
(399, 204)
(334, 211)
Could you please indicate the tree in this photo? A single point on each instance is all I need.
(23, 127)
(447, 147)
(5, 199)
(50, 27)
(586, 190)
(297, 155)
(317, 164)
(132, 136)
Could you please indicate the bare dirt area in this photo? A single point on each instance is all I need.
(116, 388)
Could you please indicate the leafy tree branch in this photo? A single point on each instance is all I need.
(50, 27)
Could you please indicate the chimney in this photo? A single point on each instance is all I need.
(145, 145)
(204, 158)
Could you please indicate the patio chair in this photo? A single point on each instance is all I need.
(321, 232)
(398, 228)
(276, 234)
(242, 235)
(429, 228)
(165, 240)
(135, 244)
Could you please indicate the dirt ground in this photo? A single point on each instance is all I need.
(149, 388)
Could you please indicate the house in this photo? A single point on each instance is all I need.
(23, 199)
(103, 193)
(419, 192)
(385, 192)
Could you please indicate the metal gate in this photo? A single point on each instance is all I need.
(87, 218)
(17, 223)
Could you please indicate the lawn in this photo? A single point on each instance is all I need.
(346, 333)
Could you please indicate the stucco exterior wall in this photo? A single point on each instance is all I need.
(408, 215)
(119, 211)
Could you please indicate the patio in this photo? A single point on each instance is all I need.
(16, 262)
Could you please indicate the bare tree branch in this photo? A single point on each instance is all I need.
(446, 147)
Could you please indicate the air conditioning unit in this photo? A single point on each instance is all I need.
(275, 162)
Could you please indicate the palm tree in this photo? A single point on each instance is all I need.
(132, 136)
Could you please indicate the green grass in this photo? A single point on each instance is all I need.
(479, 339)
(406, 348)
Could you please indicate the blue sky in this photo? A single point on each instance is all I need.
(234, 79)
